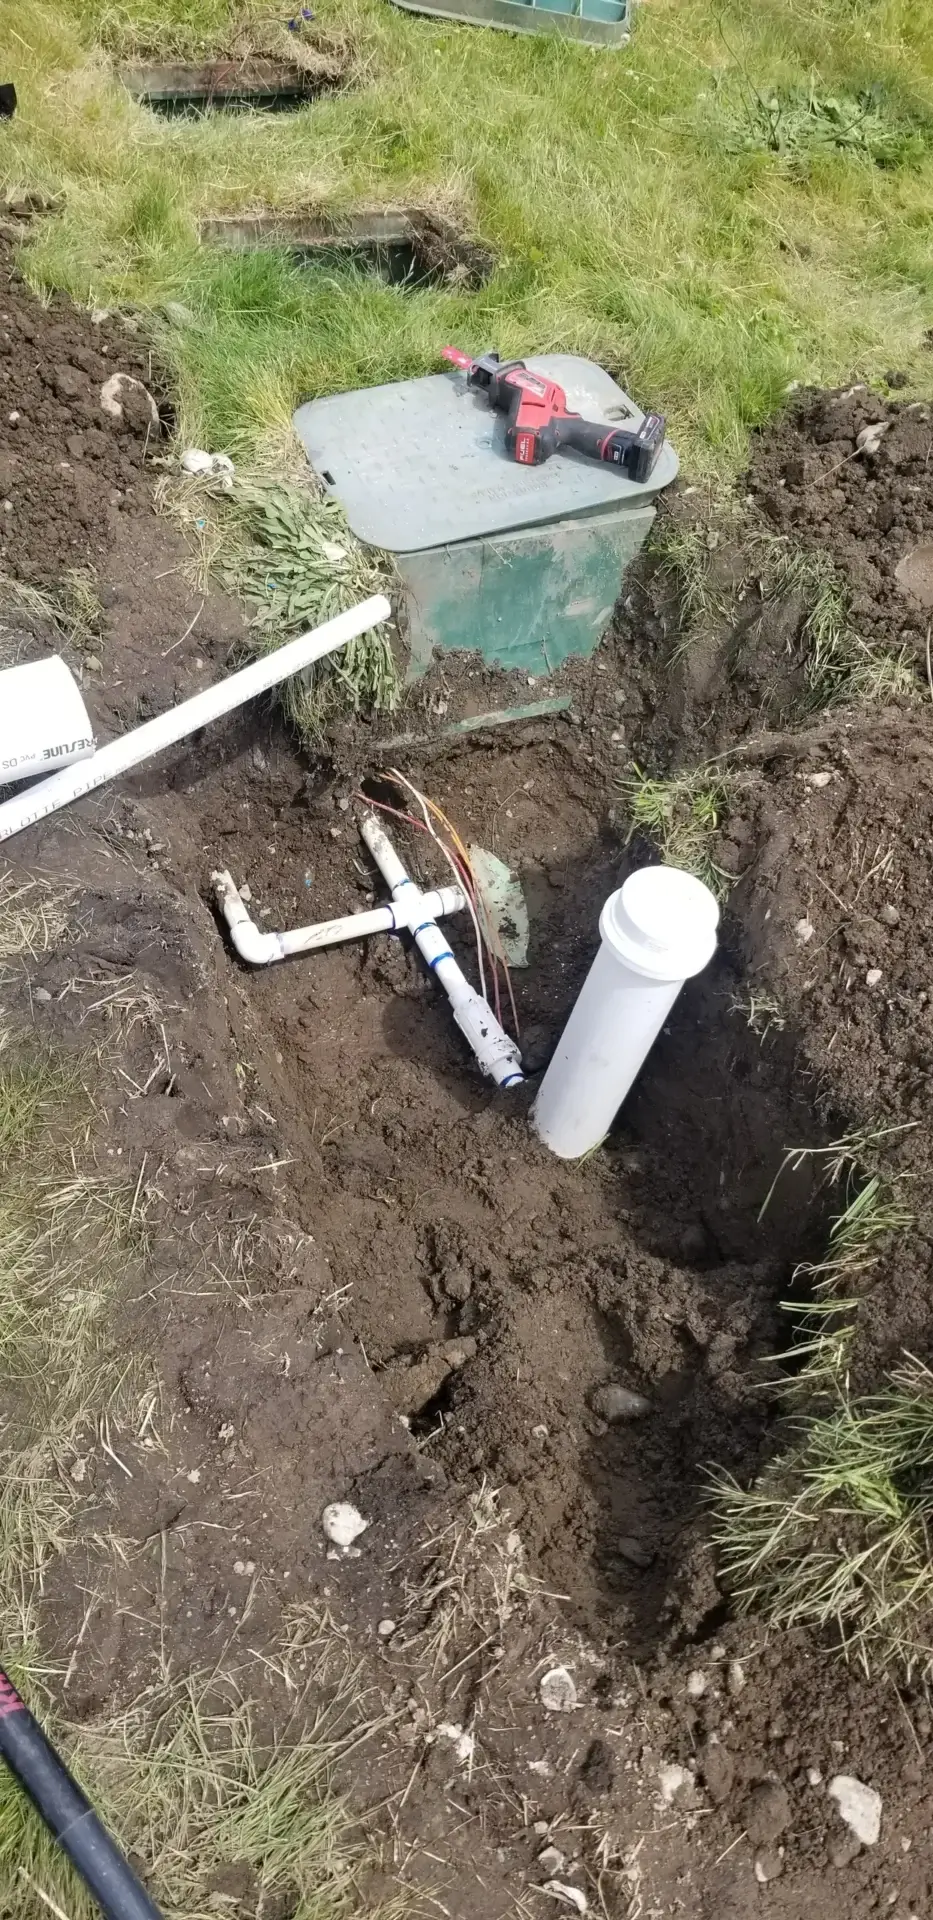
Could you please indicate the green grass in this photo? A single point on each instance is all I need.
(835, 1532)
(681, 816)
(295, 562)
(627, 221)
(187, 1784)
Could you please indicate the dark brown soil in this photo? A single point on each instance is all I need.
(867, 509)
(369, 1282)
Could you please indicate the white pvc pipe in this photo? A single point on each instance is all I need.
(655, 933)
(119, 756)
(498, 1055)
(260, 948)
(43, 719)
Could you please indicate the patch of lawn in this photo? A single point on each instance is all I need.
(638, 209)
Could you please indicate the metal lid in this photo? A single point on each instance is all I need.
(422, 463)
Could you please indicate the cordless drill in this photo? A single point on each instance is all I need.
(539, 422)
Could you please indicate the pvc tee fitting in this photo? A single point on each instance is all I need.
(656, 932)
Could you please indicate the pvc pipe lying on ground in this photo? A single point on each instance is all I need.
(43, 719)
(259, 948)
(656, 932)
(119, 756)
(497, 1054)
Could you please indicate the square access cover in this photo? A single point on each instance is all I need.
(423, 463)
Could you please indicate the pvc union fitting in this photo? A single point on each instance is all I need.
(656, 932)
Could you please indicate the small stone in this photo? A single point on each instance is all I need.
(41, 994)
(385, 1629)
(821, 779)
(889, 914)
(814, 1776)
(569, 1896)
(14, 417)
(768, 1865)
(636, 1552)
(767, 1813)
(873, 976)
(457, 1284)
(92, 663)
(676, 1783)
(696, 1684)
(245, 892)
(551, 1860)
(613, 1402)
(557, 1691)
(343, 1523)
(735, 1678)
(718, 1770)
(804, 931)
(859, 1806)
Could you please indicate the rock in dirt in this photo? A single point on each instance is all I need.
(557, 1691)
(859, 1806)
(768, 1865)
(696, 1684)
(717, 1770)
(735, 1678)
(343, 1523)
(636, 1552)
(567, 1895)
(767, 1813)
(125, 398)
(677, 1784)
(613, 1403)
(551, 1860)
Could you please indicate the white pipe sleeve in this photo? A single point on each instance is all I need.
(657, 931)
(260, 948)
(43, 719)
(497, 1054)
(119, 756)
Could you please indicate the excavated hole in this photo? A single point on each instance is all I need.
(495, 1289)
(275, 86)
(403, 247)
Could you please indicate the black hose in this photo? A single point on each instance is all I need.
(68, 1813)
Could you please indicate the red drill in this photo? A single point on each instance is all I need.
(539, 421)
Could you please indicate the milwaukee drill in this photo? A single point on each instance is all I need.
(539, 422)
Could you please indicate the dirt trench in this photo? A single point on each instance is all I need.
(369, 1281)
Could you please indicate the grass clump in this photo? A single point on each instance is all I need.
(680, 815)
(835, 1532)
(801, 123)
(300, 565)
(841, 667)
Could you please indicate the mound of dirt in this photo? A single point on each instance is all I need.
(867, 507)
(835, 908)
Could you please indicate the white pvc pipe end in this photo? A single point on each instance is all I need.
(656, 932)
(662, 923)
(43, 719)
